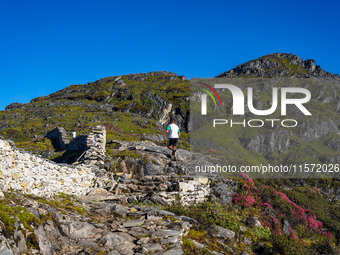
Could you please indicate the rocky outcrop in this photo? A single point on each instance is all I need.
(13, 106)
(281, 140)
(121, 230)
(334, 143)
(279, 65)
(124, 228)
(223, 190)
(4, 246)
(160, 108)
(315, 130)
(150, 175)
(278, 141)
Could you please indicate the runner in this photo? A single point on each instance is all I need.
(174, 133)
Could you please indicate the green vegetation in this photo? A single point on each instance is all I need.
(64, 203)
(283, 245)
(127, 154)
(190, 248)
(261, 234)
(14, 218)
(211, 213)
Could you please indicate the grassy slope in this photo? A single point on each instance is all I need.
(27, 125)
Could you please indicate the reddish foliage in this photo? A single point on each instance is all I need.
(266, 204)
(292, 233)
(250, 196)
(249, 187)
(285, 198)
(274, 225)
(303, 215)
(244, 200)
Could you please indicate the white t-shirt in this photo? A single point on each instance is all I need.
(173, 131)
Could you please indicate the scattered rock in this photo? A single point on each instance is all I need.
(244, 253)
(243, 229)
(286, 227)
(45, 244)
(154, 198)
(99, 193)
(254, 222)
(153, 247)
(222, 232)
(4, 246)
(223, 193)
(197, 244)
(133, 223)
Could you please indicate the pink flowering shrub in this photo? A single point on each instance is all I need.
(282, 208)
(292, 233)
(285, 198)
(273, 224)
(313, 223)
(244, 200)
(248, 197)
(266, 204)
(305, 216)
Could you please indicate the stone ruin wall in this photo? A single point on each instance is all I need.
(34, 175)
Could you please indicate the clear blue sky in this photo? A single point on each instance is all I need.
(48, 45)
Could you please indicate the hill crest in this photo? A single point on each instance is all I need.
(279, 65)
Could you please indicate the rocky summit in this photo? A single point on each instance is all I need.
(86, 170)
(279, 65)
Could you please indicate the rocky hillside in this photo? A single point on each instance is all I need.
(114, 189)
(279, 65)
(150, 205)
(132, 107)
(314, 140)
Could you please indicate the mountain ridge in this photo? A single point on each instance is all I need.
(287, 65)
(279, 65)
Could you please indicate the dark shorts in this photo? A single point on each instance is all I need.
(172, 141)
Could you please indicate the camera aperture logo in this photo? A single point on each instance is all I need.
(238, 105)
(204, 97)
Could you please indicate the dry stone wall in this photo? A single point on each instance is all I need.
(59, 138)
(34, 175)
(96, 142)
